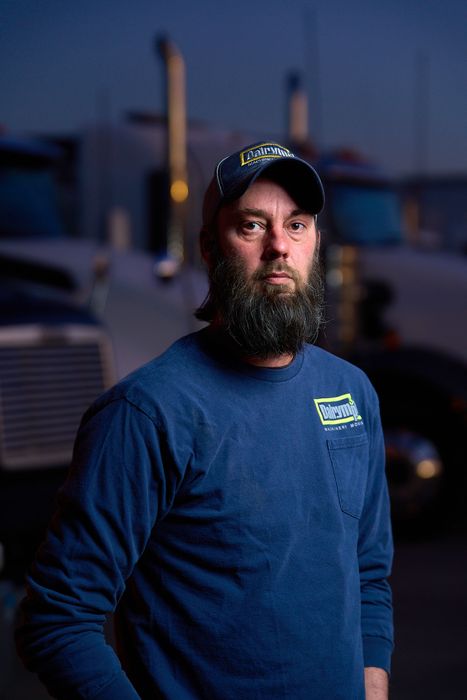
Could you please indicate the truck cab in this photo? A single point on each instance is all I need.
(397, 312)
(55, 355)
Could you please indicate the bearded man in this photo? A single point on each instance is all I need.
(228, 499)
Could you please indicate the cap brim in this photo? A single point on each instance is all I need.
(297, 177)
(230, 181)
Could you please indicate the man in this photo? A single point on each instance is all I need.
(229, 496)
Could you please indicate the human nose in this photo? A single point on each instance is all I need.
(276, 244)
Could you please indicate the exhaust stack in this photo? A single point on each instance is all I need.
(297, 110)
(175, 103)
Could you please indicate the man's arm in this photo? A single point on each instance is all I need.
(107, 509)
(375, 550)
(376, 684)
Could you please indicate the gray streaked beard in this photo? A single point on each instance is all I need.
(264, 320)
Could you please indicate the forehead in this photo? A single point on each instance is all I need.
(263, 194)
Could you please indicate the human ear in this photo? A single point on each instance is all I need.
(318, 237)
(206, 241)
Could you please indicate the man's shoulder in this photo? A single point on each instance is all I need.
(331, 365)
(163, 377)
(178, 359)
(325, 358)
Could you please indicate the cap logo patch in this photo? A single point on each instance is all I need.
(264, 150)
(337, 410)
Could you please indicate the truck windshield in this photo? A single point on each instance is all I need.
(366, 215)
(28, 206)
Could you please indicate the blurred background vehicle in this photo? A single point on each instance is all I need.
(81, 310)
(75, 316)
(384, 79)
(55, 356)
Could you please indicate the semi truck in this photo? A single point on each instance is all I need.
(396, 311)
(399, 313)
(55, 355)
(76, 314)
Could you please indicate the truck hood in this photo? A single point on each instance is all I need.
(143, 314)
(430, 289)
(23, 305)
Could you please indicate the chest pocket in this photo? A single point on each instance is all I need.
(349, 459)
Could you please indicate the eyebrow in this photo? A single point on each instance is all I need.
(262, 214)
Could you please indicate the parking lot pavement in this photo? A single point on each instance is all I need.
(430, 598)
(430, 660)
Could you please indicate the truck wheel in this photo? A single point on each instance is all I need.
(425, 452)
(415, 472)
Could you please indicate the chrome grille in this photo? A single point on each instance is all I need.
(48, 377)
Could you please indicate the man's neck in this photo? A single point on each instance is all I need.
(274, 361)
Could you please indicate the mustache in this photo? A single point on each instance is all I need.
(272, 267)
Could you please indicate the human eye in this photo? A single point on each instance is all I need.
(297, 228)
(250, 227)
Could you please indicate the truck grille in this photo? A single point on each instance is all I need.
(48, 377)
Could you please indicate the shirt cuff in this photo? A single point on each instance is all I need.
(377, 652)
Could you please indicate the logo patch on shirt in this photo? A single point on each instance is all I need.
(337, 410)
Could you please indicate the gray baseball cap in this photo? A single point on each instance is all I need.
(236, 172)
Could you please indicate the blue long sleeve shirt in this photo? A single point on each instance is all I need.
(236, 518)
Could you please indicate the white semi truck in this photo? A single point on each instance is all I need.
(400, 313)
(78, 314)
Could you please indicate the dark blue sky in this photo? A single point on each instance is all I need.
(359, 59)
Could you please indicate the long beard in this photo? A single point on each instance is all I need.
(264, 320)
